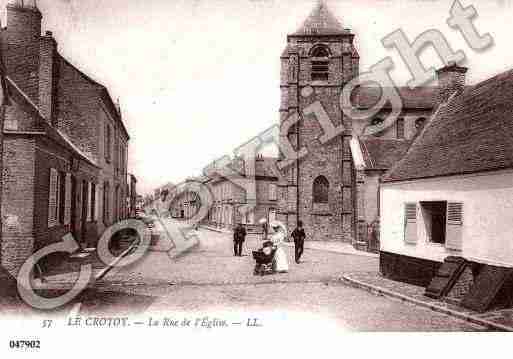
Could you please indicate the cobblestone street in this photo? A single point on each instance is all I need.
(210, 280)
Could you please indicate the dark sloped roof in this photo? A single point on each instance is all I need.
(417, 98)
(472, 133)
(381, 154)
(321, 22)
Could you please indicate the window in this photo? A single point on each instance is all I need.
(53, 198)
(62, 196)
(272, 215)
(419, 124)
(321, 189)
(320, 63)
(400, 128)
(320, 70)
(250, 217)
(272, 192)
(320, 51)
(410, 223)
(434, 215)
(108, 142)
(116, 204)
(93, 201)
(454, 226)
(116, 154)
(378, 124)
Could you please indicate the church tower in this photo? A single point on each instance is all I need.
(319, 189)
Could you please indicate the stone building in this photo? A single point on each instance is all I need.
(65, 147)
(335, 199)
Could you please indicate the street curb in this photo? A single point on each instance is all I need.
(215, 230)
(436, 308)
(363, 254)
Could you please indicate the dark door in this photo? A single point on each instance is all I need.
(85, 199)
(439, 226)
(73, 207)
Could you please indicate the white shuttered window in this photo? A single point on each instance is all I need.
(454, 226)
(410, 223)
(67, 209)
(53, 197)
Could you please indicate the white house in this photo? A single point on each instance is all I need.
(452, 193)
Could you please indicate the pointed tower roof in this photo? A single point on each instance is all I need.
(321, 22)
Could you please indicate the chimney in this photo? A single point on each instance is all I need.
(23, 22)
(47, 51)
(451, 78)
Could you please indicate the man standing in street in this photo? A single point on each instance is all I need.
(299, 240)
(239, 237)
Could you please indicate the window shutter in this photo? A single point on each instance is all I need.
(272, 192)
(89, 201)
(67, 200)
(97, 202)
(52, 197)
(454, 226)
(410, 218)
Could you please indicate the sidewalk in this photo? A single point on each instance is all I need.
(215, 229)
(335, 247)
(498, 320)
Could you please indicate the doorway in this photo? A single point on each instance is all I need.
(85, 200)
(73, 207)
(435, 219)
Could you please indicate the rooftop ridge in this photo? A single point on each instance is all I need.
(321, 21)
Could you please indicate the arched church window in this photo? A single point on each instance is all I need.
(320, 51)
(320, 63)
(321, 188)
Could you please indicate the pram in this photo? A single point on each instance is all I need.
(264, 258)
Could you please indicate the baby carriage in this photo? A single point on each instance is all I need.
(264, 258)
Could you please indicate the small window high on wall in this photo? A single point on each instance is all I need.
(434, 215)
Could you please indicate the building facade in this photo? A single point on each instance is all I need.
(65, 146)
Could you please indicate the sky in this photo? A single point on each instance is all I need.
(198, 78)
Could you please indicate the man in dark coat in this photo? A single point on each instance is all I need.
(299, 240)
(239, 237)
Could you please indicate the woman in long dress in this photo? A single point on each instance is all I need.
(281, 263)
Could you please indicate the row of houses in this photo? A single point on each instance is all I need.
(227, 194)
(65, 146)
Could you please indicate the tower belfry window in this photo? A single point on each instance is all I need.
(320, 64)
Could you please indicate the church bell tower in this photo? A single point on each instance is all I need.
(319, 59)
